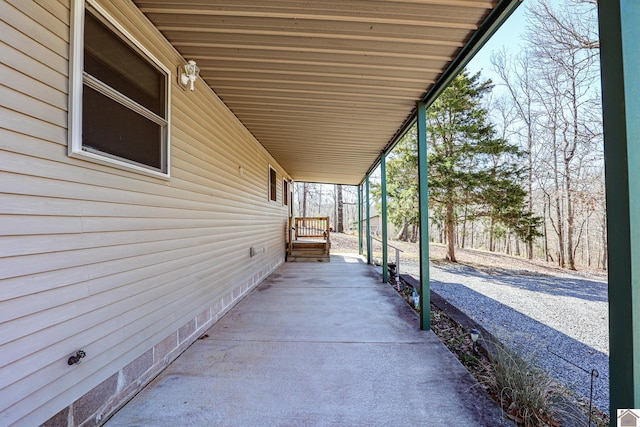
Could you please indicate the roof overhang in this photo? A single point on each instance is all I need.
(327, 86)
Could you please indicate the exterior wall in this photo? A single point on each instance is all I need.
(129, 268)
(375, 222)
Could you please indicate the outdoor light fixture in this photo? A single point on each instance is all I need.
(190, 74)
(416, 298)
(75, 359)
(474, 337)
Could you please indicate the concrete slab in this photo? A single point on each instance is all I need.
(315, 344)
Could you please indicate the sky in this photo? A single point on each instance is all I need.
(509, 36)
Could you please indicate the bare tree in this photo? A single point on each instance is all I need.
(553, 87)
(550, 93)
(305, 192)
(519, 81)
(562, 40)
(340, 209)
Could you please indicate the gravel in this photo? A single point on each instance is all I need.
(552, 317)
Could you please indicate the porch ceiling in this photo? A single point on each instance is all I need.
(323, 85)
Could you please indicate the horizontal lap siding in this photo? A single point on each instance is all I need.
(104, 260)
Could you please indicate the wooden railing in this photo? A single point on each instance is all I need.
(310, 227)
(313, 227)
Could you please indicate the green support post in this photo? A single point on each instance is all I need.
(619, 43)
(368, 235)
(360, 219)
(423, 191)
(383, 190)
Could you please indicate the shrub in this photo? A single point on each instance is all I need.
(529, 394)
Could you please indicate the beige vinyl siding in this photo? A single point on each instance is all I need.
(102, 259)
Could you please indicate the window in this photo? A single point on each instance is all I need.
(285, 192)
(273, 184)
(119, 97)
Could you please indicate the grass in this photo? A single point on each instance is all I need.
(529, 394)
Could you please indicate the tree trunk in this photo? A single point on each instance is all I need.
(450, 230)
(568, 156)
(473, 223)
(570, 219)
(403, 234)
(491, 246)
(305, 192)
(544, 232)
(340, 220)
(464, 228)
(588, 242)
(560, 219)
(530, 175)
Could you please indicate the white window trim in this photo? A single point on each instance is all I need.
(76, 72)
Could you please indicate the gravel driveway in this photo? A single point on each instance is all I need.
(536, 313)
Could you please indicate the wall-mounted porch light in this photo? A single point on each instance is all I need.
(190, 74)
(75, 359)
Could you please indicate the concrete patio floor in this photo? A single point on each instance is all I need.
(316, 344)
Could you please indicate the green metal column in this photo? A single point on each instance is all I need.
(423, 184)
(383, 190)
(619, 44)
(368, 211)
(360, 219)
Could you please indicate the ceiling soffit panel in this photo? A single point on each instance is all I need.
(323, 85)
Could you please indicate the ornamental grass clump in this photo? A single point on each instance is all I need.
(528, 393)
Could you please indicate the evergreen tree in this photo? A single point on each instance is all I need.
(402, 186)
(471, 170)
(469, 165)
